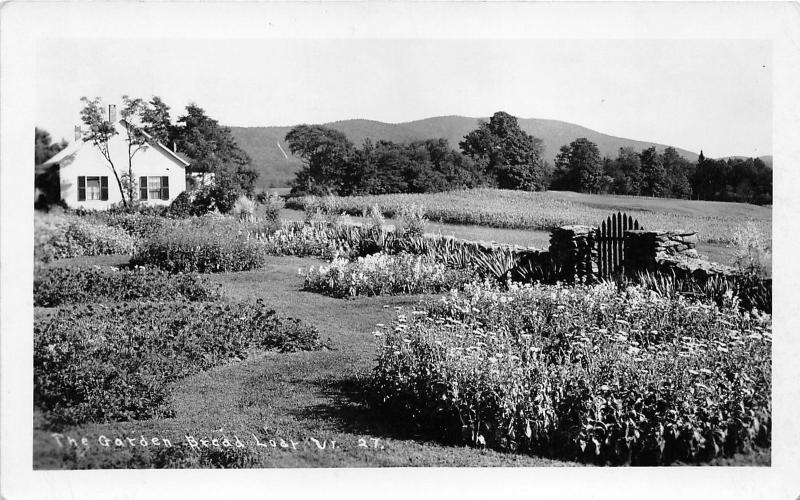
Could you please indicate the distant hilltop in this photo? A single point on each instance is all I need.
(271, 157)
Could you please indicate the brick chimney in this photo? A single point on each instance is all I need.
(78, 133)
(112, 113)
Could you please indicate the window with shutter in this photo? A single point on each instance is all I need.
(81, 188)
(104, 188)
(93, 188)
(165, 188)
(142, 188)
(153, 188)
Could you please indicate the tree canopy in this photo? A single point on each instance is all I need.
(44, 147)
(578, 167)
(508, 154)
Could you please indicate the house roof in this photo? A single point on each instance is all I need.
(74, 146)
(65, 153)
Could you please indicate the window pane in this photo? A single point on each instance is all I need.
(93, 188)
(154, 188)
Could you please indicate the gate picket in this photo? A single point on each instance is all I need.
(611, 243)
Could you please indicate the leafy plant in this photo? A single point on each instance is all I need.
(74, 285)
(590, 373)
(98, 363)
(205, 244)
(59, 236)
(381, 274)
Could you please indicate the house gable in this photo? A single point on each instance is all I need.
(83, 169)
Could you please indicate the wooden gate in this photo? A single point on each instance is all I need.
(611, 243)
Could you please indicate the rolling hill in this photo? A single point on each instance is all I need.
(277, 166)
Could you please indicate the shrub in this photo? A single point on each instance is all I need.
(381, 274)
(219, 196)
(272, 205)
(204, 244)
(138, 225)
(181, 207)
(100, 363)
(414, 220)
(752, 249)
(244, 208)
(58, 236)
(74, 285)
(589, 373)
(301, 240)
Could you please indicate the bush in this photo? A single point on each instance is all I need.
(107, 363)
(74, 285)
(137, 225)
(219, 196)
(381, 274)
(753, 255)
(205, 244)
(414, 220)
(59, 236)
(588, 373)
(272, 205)
(181, 207)
(244, 208)
(302, 240)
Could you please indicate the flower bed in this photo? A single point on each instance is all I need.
(101, 363)
(586, 373)
(74, 285)
(59, 236)
(206, 244)
(382, 274)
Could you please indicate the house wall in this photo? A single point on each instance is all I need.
(88, 161)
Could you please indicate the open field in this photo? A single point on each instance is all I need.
(716, 252)
(715, 222)
(295, 396)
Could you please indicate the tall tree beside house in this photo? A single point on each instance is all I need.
(157, 121)
(99, 133)
(131, 112)
(212, 148)
(507, 153)
(579, 168)
(44, 147)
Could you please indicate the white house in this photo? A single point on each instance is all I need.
(87, 180)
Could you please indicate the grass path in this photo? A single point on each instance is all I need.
(316, 394)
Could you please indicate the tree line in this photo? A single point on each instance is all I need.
(500, 154)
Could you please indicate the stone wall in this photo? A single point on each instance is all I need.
(573, 249)
(644, 249)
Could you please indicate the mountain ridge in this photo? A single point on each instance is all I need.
(264, 143)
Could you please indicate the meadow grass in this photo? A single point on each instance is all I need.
(715, 222)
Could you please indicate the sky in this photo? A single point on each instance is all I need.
(714, 95)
